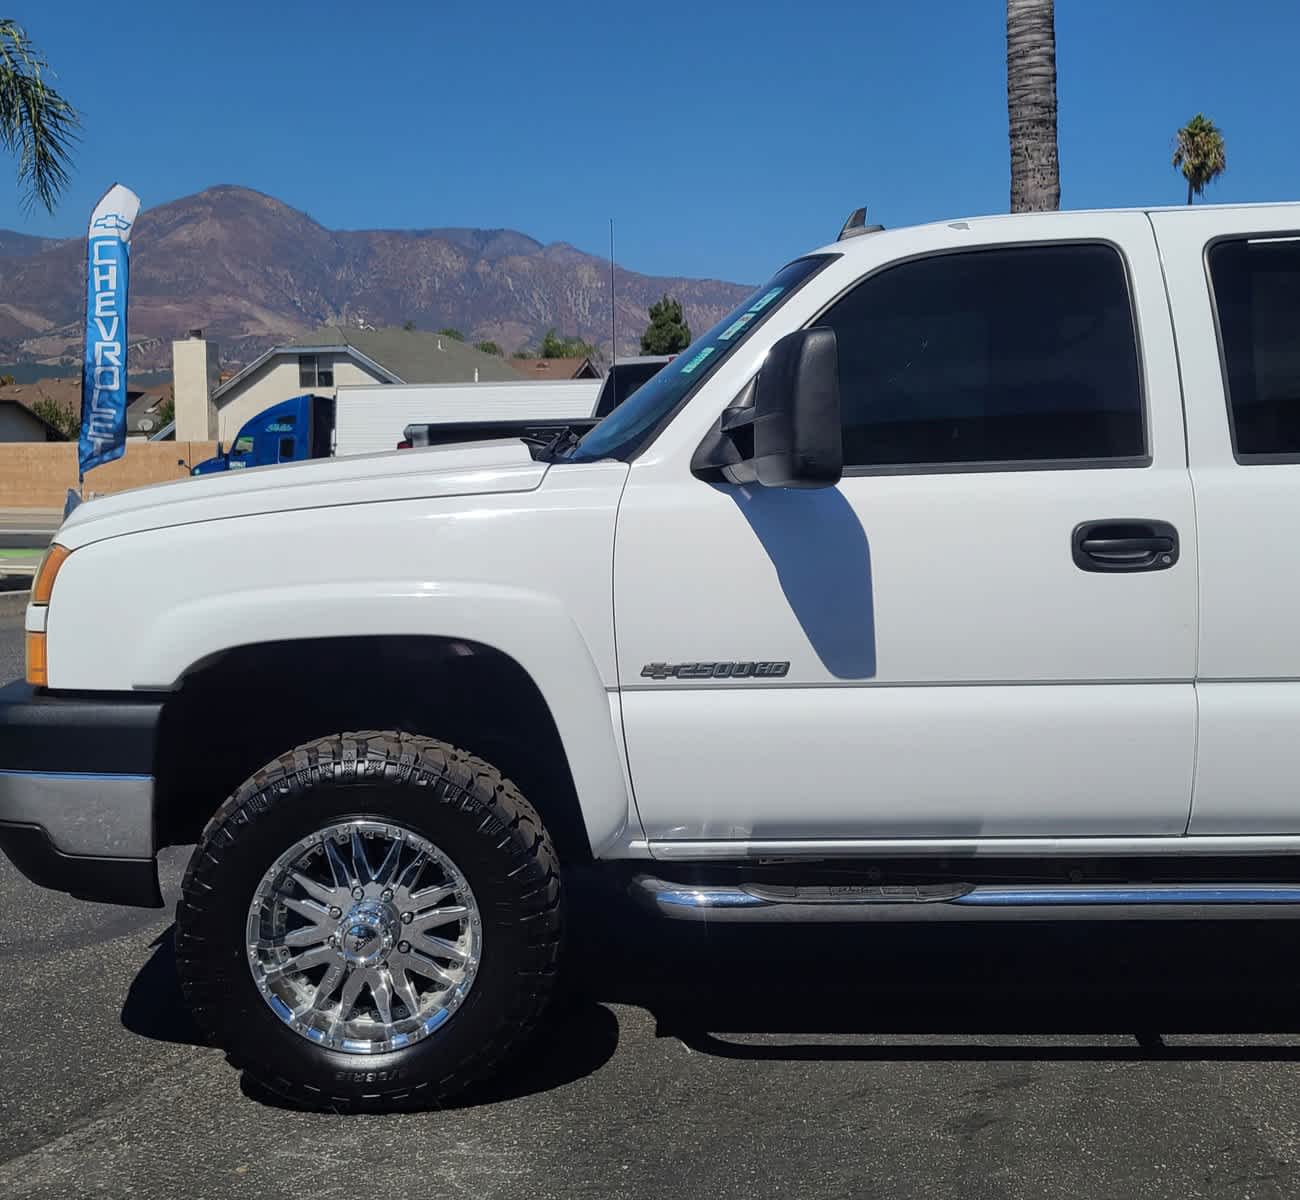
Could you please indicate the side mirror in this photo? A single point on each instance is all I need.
(797, 437)
(783, 430)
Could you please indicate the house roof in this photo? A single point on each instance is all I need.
(398, 355)
(416, 356)
(556, 368)
(66, 393)
(51, 434)
(143, 410)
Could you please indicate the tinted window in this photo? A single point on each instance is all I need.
(1257, 296)
(1019, 355)
(307, 370)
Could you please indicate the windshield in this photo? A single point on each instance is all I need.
(635, 423)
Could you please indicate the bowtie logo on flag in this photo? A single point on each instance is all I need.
(103, 370)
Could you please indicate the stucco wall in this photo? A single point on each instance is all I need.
(275, 381)
(38, 475)
(194, 378)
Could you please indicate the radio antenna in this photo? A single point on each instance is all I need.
(613, 319)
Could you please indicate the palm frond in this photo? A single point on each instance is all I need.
(37, 124)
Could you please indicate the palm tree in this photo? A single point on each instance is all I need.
(1199, 153)
(1031, 105)
(37, 125)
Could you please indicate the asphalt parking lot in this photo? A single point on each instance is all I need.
(1067, 1061)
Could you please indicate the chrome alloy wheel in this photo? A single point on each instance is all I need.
(364, 937)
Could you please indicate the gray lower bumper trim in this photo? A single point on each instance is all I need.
(108, 816)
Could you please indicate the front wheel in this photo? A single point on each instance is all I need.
(371, 921)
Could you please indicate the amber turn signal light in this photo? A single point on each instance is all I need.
(43, 585)
(38, 674)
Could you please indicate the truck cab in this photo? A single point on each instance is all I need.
(290, 431)
(929, 584)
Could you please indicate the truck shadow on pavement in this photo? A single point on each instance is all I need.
(1103, 991)
(579, 1038)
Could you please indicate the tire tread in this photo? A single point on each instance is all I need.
(452, 777)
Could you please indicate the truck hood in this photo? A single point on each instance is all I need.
(471, 469)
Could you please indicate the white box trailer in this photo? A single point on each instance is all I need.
(372, 417)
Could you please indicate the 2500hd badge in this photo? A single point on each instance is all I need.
(715, 670)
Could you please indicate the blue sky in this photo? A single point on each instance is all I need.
(722, 146)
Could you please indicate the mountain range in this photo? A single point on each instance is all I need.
(251, 271)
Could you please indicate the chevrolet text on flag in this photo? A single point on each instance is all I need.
(103, 370)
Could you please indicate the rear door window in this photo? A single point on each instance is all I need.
(1256, 285)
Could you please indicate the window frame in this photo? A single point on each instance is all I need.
(995, 466)
(1262, 235)
(315, 369)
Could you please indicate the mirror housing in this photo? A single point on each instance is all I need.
(797, 436)
(783, 429)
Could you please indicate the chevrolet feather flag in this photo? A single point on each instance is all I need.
(103, 369)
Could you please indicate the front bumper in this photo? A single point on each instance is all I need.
(77, 792)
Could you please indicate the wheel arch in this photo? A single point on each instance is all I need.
(234, 710)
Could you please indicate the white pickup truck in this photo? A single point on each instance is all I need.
(931, 583)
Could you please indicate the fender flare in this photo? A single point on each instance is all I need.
(532, 628)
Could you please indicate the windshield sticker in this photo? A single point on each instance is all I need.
(697, 359)
(763, 301)
(735, 327)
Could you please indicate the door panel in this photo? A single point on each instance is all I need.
(809, 762)
(1248, 758)
(902, 611)
(1248, 755)
(951, 670)
(905, 579)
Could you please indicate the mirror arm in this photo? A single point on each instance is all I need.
(738, 416)
(717, 458)
(724, 454)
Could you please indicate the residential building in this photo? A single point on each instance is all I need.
(144, 406)
(19, 424)
(320, 363)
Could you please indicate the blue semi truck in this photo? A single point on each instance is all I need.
(290, 431)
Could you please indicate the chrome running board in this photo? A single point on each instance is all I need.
(955, 902)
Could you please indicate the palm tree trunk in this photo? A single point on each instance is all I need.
(1189, 191)
(1031, 105)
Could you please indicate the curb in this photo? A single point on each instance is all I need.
(12, 603)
